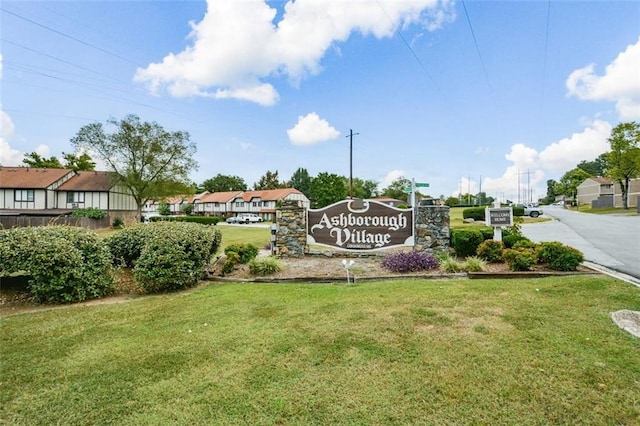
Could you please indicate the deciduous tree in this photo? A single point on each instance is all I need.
(569, 182)
(327, 189)
(33, 159)
(301, 180)
(79, 162)
(269, 180)
(150, 161)
(223, 183)
(623, 161)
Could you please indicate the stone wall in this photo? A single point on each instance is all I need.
(431, 233)
(291, 233)
(432, 229)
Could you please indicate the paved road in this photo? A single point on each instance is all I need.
(612, 241)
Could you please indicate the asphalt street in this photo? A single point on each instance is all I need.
(612, 241)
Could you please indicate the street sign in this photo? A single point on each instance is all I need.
(407, 189)
(422, 185)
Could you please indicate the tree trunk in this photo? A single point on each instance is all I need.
(624, 188)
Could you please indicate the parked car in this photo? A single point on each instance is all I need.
(530, 210)
(233, 219)
(249, 218)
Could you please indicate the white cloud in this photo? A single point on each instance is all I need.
(390, 177)
(563, 155)
(238, 44)
(620, 83)
(8, 155)
(311, 129)
(526, 173)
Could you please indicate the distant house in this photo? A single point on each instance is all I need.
(97, 190)
(25, 188)
(26, 191)
(216, 203)
(264, 202)
(605, 192)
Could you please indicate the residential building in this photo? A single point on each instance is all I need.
(605, 192)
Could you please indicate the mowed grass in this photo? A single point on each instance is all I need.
(494, 352)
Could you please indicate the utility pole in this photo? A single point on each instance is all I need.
(351, 134)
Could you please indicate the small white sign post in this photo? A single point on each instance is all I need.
(498, 217)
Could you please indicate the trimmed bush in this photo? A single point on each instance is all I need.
(520, 259)
(487, 232)
(560, 257)
(165, 256)
(65, 264)
(90, 212)
(511, 239)
(264, 266)
(491, 251)
(518, 211)
(465, 242)
(246, 251)
(475, 213)
(204, 220)
(410, 261)
(230, 262)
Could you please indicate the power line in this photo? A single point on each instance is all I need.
(475, 42)
(70, 37)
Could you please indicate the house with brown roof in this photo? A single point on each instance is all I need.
(56, 192)
(605, 192)
(25, 188)
(216, 203)
(264, 202)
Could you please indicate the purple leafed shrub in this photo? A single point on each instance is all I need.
(412, 261)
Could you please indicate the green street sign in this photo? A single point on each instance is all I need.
(422, 184)
(407, 189)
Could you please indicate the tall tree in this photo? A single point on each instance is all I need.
(301, 180)
(363, 188)
(82, 162)
(396, 188)
(623, 160)
(33, 159)
(223, 183)
(596, 167)
(269, 180)
(552, 191)
(327, 189)
(569, 182)
(151, 162)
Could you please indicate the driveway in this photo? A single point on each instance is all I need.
(612, 241)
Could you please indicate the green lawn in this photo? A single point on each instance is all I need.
(495, 352)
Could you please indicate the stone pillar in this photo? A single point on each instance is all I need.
(432, 229)
(291, 233)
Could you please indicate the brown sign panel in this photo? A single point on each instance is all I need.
(499, 216)
(369, 226)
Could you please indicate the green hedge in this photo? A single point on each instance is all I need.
(465, 241)
(475, 213)
(165, 256)
(90, 212)
(559, 256)
(204, 220)
(65, 264)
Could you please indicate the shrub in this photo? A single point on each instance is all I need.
(520, 259)
(511, 239)
(475, 213)
(204, 220)
(465, 242)
(524, 242)
(117, 222)
(559, 256)
(410, 261)
(518, 211)
(90, 212)
(264, 266)
(65, 264)
(491, 251)
(126, 246)
(450, 265)
(474, 264)
(246, 251)
(174, 255)
(230, 262)
(487, 232)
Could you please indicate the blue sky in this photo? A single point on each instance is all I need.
(462, 95)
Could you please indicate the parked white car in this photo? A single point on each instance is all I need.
(249, 218)
(530, 209)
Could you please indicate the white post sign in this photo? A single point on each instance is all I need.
(498, 217)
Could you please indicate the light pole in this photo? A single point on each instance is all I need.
(351, 162)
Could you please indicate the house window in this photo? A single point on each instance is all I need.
(255, 203)
(265, 204)
(240, 204)
(24, 195)
(607, 186)
(75, 197)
